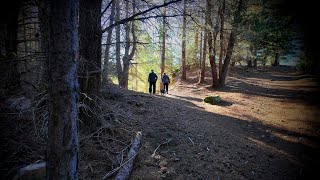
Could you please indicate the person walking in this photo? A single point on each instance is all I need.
(152, 79)
(166, 81)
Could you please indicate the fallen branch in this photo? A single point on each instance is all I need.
(32, 171)
(191, 141)
(126, 167)
(154, 152)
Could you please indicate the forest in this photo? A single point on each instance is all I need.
(242, 101)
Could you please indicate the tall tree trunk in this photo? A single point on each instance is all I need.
(118, 62)
(276, 60)
(108, 44)
(200, 50)
(196, 49)
(225, 67)
(249, 64)
(128, 56)
(255, 62)
(212, 58)
(123, 82)
(163, 50)
(232, 39)
(10, 12)
(222, 10)
(43, 6)
(63, 142)
(90, 44)
(204, 54)
(183, 55)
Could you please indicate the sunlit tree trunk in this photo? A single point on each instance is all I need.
(90, 44)
(108, 44)
(183, 55)
(204, 54)
(128, 57)
(196, 49)
(63, 142)
(200, 50)
(163, 50)
(123, 81)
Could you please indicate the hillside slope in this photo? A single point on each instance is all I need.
(266, 128)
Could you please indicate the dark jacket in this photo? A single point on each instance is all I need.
(165, 79)
(152, 77)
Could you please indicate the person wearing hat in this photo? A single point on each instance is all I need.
(152, 79)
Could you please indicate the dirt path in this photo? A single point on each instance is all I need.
(266, 129)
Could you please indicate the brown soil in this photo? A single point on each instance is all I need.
(266, 127)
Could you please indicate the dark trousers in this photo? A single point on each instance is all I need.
(152, 87)
(165, 86)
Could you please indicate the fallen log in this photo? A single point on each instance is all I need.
(32, 171)
(126, 167)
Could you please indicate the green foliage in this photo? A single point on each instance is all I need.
(212, 99)
(267, 29)
(305, 64)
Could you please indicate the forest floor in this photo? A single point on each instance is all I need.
(266, 127)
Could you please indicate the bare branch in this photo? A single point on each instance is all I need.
(138, 14)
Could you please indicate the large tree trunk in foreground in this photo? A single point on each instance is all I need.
(90, 44)
(63, 143)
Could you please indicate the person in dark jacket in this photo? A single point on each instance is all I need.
(166, 81)
(152, 79)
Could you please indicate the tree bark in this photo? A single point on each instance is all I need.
(196, 44)
(204, 54)
(255, 62)
(44, 7)
(222, 10)
(118, 48)
(90, 44)
(123, 81)
(201, 39)
(212, 58)
(163, 50)
(128, 57)
(232, 39)
(276, 60)
(108, 44)
(183, 55)
(249, 64)
(9, 30)
(63, 142)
